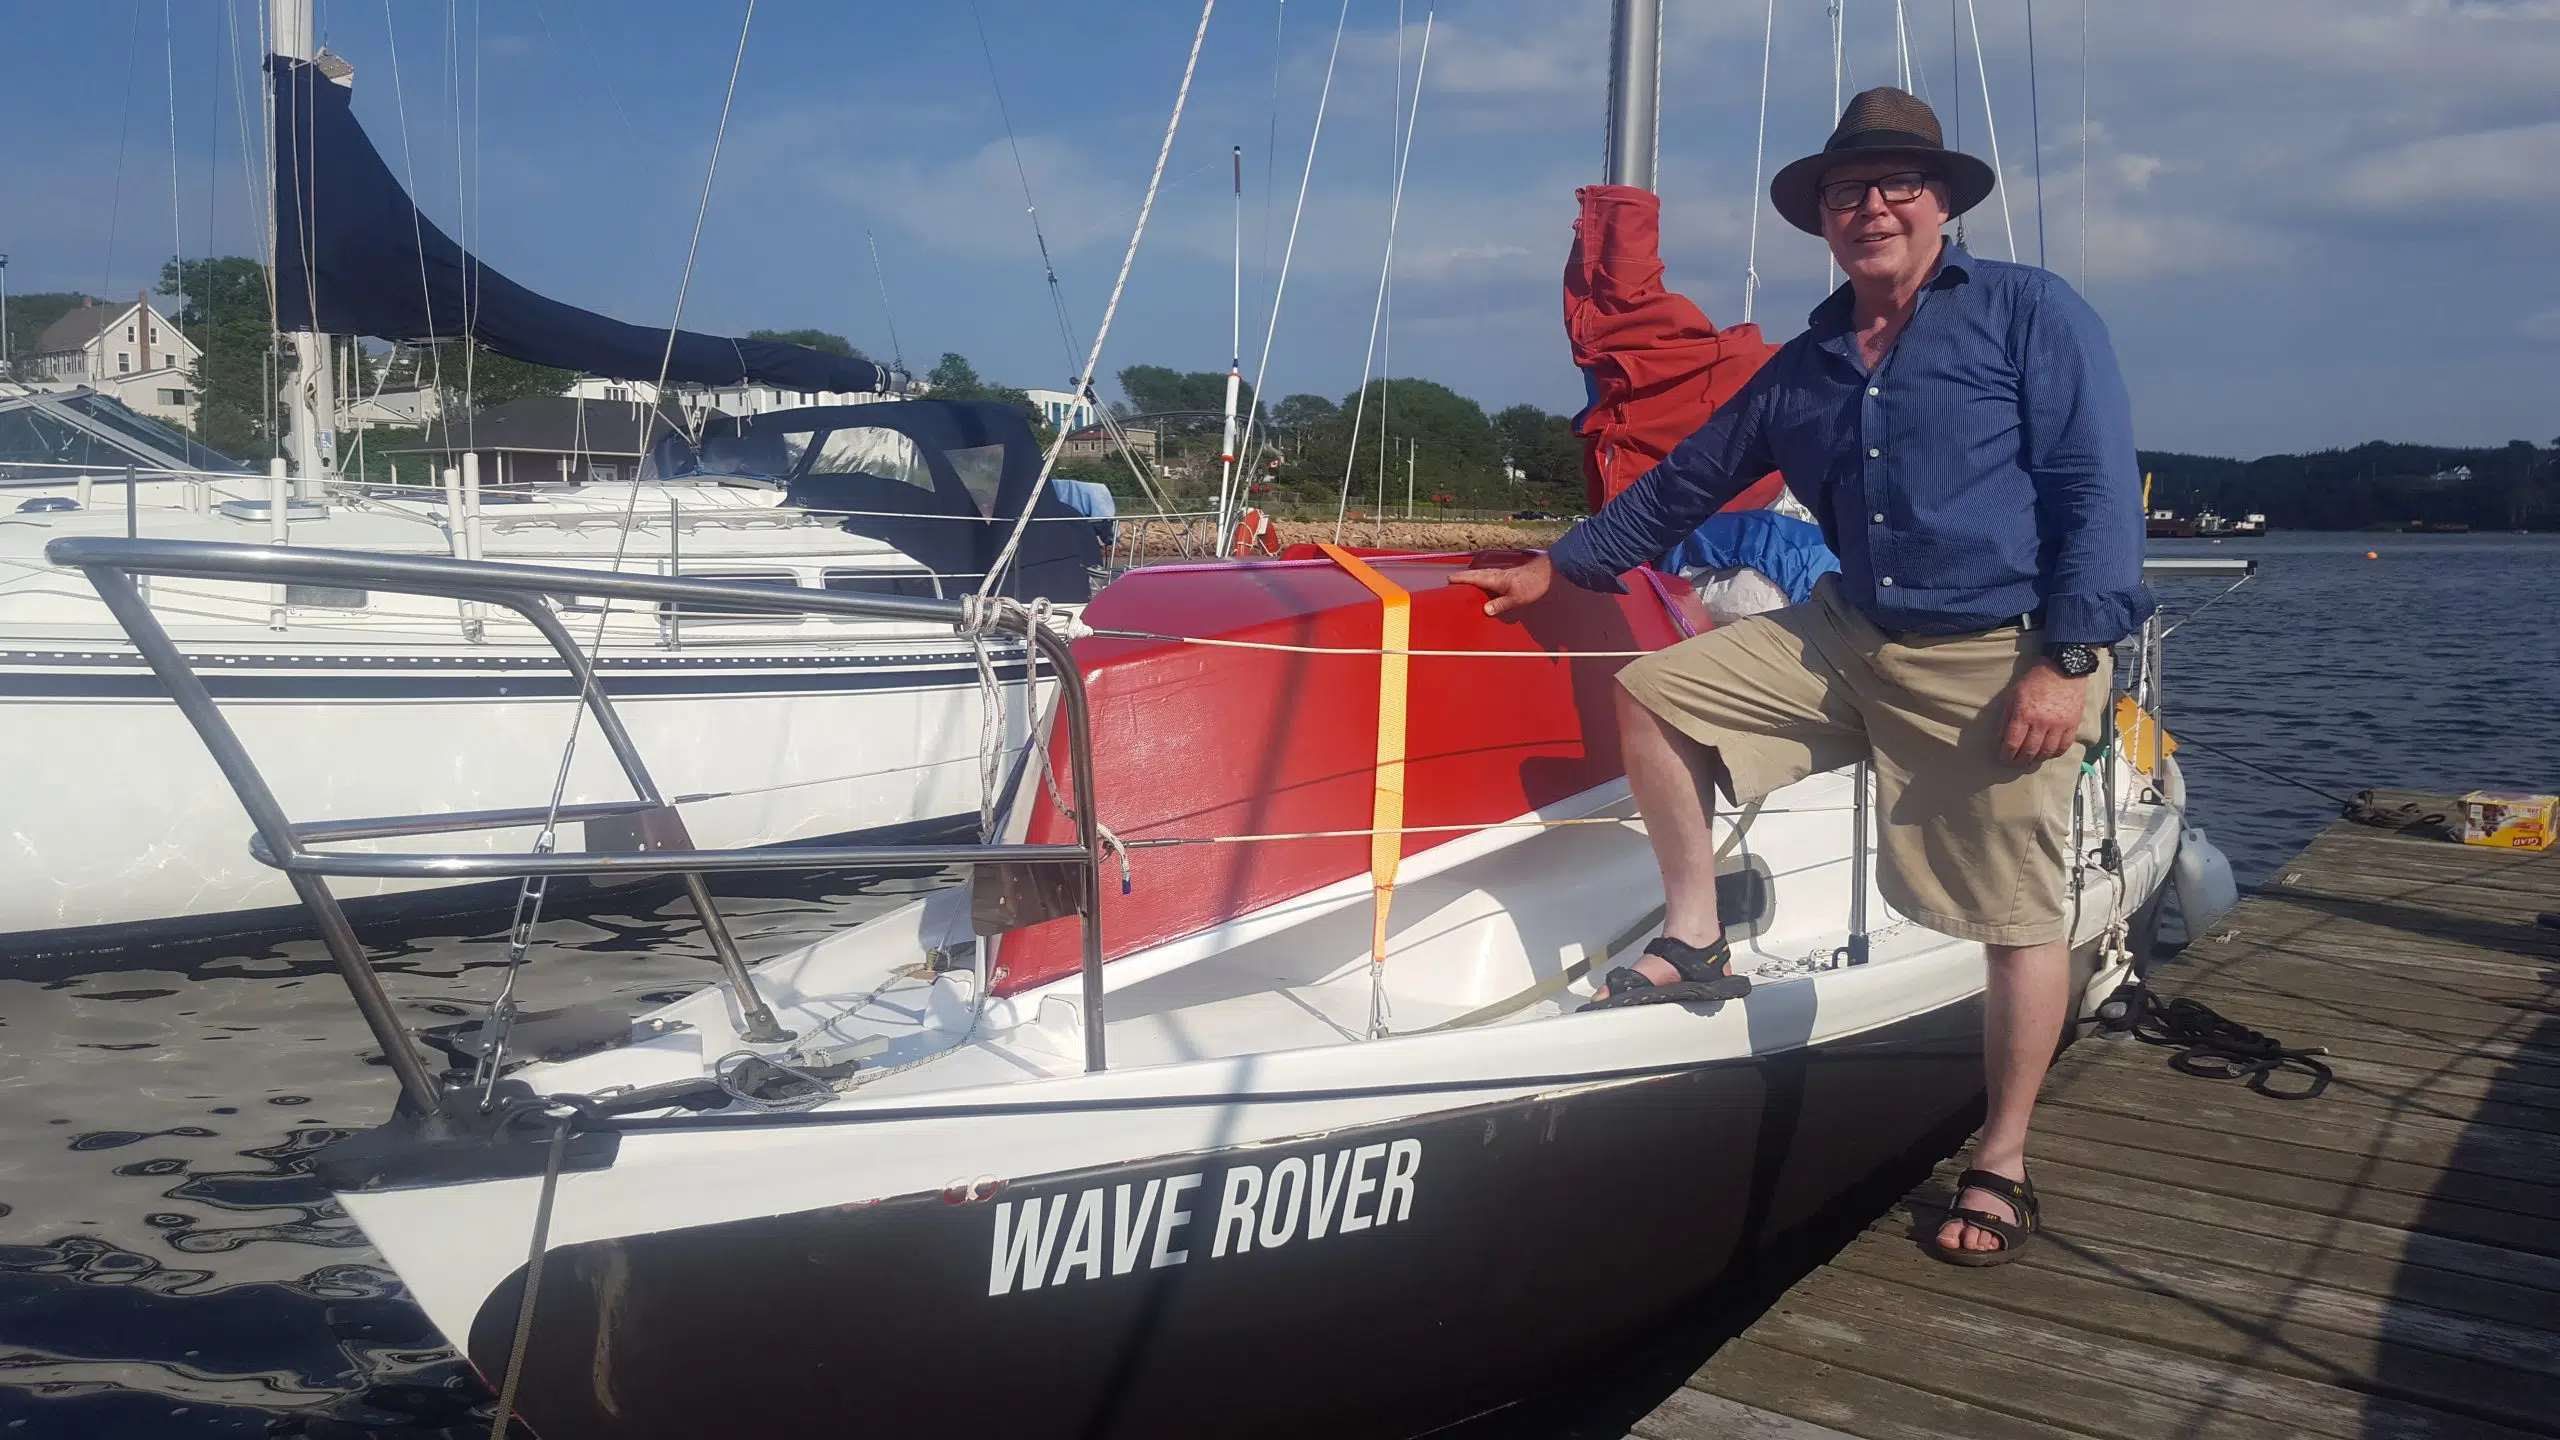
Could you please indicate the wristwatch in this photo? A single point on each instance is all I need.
(2075, 661)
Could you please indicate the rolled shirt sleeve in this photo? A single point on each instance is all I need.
(2079, 450)
(1698, 477)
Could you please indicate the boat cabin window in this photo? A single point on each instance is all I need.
(981, 469)
(915, 584)
(692, 610)
(325, 597)
(872, 450)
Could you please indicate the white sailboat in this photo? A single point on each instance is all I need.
(794, 730)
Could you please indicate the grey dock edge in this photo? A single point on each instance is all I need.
(2383, 1261)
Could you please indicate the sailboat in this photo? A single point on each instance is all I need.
(1243, 1087)
(791, 730)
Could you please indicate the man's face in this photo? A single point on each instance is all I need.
(1877, 238)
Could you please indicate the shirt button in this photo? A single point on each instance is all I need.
(1879, 517)
(1872, 454)
(1886, 580)
(1872, 390)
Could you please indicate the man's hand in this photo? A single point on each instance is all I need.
(2044, 715)
(1510, 585)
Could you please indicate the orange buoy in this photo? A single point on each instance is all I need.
(2373, 554)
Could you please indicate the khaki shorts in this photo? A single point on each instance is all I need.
(1971, 845)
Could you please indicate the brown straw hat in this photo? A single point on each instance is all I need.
(1883, 123)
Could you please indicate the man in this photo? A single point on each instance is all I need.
(1960, 429)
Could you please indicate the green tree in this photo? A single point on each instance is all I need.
(474, 376)
(1452, 446)
(824, 341)
(30, 315)
(1546, 452)
(235, 376)
(954, 378)
(1197, 397)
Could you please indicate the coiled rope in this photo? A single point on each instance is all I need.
(2211, 1047)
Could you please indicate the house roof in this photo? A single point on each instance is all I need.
(548, 425)
(85, 323)
(77, 327)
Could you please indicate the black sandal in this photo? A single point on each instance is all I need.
(1706, 974)
(2012, 1235)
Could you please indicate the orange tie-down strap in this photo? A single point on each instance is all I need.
(1386, 811)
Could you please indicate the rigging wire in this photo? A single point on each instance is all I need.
(1377, 314)
(897, 356)
(1990, 123)
(177, 224)
(417, 230)
(1839, 51)
(1955, 67)
(2035, 127)
(533, 890)
(2084, 144)
(1271, 138)
(1057, 296)
(1387, 281)
(124, 127)
(1280, 289)
(1102, 333)
(1759, 159)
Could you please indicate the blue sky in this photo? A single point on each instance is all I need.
(2313, 222)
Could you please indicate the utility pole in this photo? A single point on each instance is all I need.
(1409, 453)
(309, 397)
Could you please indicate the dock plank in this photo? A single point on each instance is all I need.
(2382, 1260)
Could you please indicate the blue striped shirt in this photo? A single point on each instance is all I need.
(1983, 471)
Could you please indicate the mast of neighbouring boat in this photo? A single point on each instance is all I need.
(308, 395)
(1228, 484)
(1635, 93)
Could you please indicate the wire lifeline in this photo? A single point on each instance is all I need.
(1277, 647)
(1102, 334)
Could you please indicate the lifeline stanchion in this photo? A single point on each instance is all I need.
(1855, 952)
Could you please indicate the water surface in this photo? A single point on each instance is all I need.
(169, 1268)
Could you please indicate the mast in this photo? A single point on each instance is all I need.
(1229, 486)
(1635, 93)
(309, 396)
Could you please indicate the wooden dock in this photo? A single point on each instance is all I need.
(2380, 1261)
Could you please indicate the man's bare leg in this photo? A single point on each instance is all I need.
(2023, 1007)
(1673, 778)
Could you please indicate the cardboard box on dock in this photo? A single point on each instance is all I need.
(2510, 818)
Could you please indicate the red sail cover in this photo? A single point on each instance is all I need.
(1657, 366)
(1194, 741)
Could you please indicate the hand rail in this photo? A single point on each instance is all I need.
(112, 564)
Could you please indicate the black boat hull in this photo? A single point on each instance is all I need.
(1491, 1241)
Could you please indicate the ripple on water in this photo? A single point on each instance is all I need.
(165, 1276)
(206, 1285)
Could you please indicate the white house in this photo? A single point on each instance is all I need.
(132, 352)
(1063, 410)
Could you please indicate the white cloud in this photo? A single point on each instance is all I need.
(2515, 166)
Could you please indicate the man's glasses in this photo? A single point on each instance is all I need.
(1896, 190)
